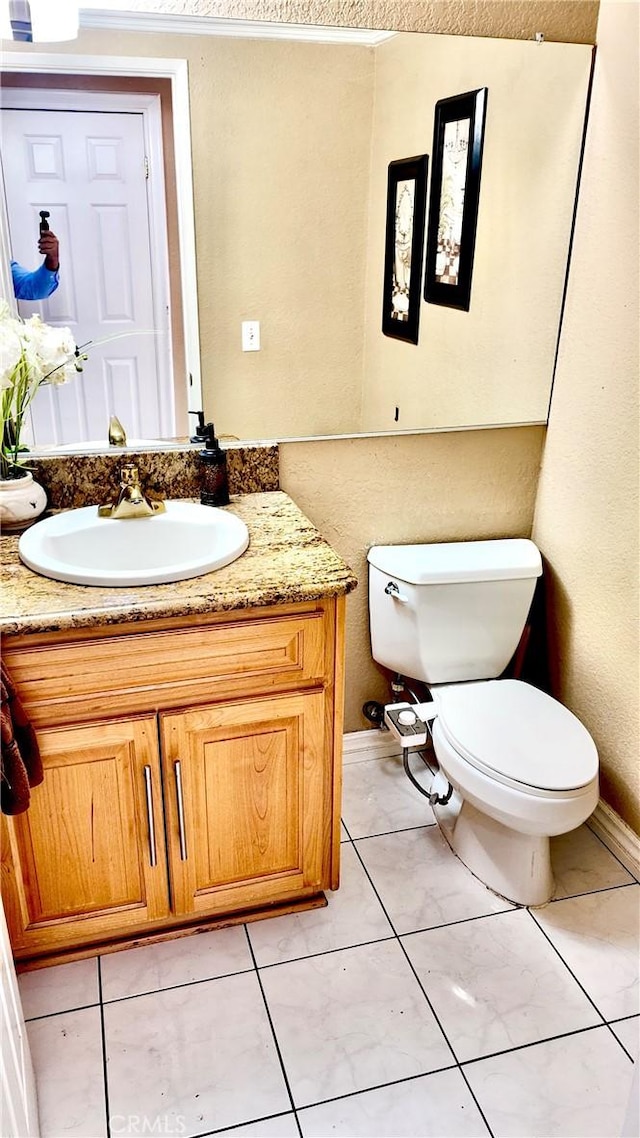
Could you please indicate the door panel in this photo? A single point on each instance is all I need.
(255, 793)
(18, 1105)
(88, 168)
(82, 852)
(257, 774)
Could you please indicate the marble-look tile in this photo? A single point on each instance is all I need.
(168, 963)
(628, 1032)
(344, 834)
(597, 935)
(433, 1106)
(497, 983)
(421, 883)
(629, 857)
(201, 1057)
(353, 915)
(284, 1126)
(67, 1058)
(581, 864)
(351, 1020)
(378, 798)
(61, 988)
(574, 1087)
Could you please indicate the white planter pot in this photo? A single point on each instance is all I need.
(21, 501)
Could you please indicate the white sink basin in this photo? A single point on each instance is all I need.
(186, 541)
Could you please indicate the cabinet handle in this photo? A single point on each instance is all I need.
(181, 832)
(153, 860)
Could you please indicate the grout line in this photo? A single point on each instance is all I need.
(104, 1049)
(428, 1001)
(476, 1100)
(379, 1087)
(137, 995)
(461, 921)
(620, 1043)
(613, 853)
(172, 987)
(346, 828)
(273, 1032)
(567, 966)
(240, 1125)
(400, 830)
(539, 1043)
(63, 1012)
(327, 952)
(590, 892)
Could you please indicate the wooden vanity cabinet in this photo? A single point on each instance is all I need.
(210, 792)
(250, 777)
(77, 863)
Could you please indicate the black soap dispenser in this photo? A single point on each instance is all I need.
(201, 430)
(214, 486)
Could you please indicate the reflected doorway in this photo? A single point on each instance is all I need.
(97, 171)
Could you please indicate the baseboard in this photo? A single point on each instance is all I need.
(617, 836)
(374, 744)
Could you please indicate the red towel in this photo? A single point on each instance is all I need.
(21, 766)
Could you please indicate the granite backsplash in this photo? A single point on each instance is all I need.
(75, 480)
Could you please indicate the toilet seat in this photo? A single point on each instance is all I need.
(517, 735)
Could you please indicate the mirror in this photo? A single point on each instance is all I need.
(290, 143)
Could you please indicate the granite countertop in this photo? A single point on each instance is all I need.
(287, 561)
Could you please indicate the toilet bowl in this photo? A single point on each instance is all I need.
(523, 766)
(525, 769)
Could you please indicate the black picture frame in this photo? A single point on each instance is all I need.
(454, 197)
(404, 244)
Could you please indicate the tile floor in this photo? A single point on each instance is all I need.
(416, 1003)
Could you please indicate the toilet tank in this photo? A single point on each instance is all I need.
(453, 611)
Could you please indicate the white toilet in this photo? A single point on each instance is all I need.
(525, 768)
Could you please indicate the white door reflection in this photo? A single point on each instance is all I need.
(90, 170)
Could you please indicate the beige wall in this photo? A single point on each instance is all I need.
(290, 141)
(281, 140)
(440, 487)
(494, 363)
(586, 519)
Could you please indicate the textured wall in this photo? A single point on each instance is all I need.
(493, 364)
(572, 21)
(281, 144)
(586, 519)
(281, 141)
(440, 487)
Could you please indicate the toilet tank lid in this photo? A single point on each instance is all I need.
(501, 559)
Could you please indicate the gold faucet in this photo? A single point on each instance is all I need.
(132, 501)
(117, 433)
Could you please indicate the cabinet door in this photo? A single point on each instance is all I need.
(248, 802)
(88, 856)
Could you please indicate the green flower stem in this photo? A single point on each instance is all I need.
(16, 399)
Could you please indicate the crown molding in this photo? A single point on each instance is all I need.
(115, 20)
